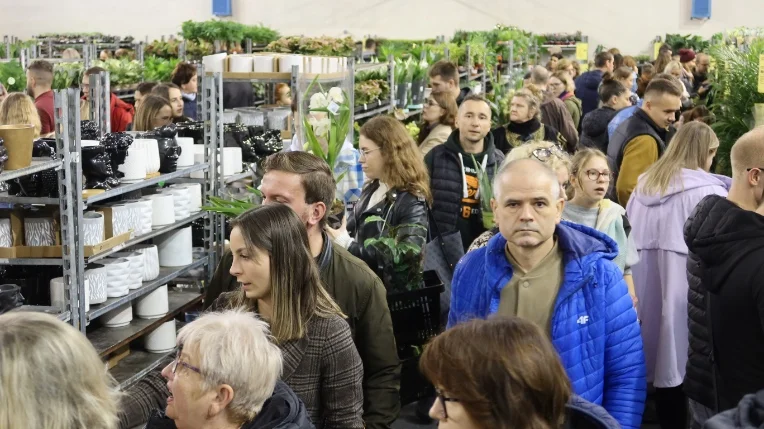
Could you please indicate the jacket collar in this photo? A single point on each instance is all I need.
(646, 118)
(453, 145)
(293, 352)
(325, 257)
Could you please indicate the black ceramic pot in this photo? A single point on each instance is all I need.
(88, 130)
(195, 130)
(169, 152)
(96, 167)
(10, 297)
(44, 148)
(116, 145)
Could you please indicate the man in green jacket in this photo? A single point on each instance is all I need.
(305, 183)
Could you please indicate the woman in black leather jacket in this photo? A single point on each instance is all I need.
(397, 191)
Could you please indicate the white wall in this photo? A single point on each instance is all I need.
(628, 25)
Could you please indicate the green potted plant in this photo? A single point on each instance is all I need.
(403, 260)
(486, 194)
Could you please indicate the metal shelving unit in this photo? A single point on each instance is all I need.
(383, 106)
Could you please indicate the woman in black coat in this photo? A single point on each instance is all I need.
(393, 203)
(525, 123)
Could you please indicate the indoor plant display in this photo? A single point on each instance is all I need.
(419, 82)
(404, 70)
(158, 69)
(485, 188)
(65, 75)
(12, 76)
(122, 72)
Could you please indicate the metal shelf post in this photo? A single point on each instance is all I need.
(99, 97)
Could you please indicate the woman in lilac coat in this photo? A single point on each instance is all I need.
(664, 198)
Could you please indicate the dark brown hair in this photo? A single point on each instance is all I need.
(447, 103)
(315, 175)
(146, 87)
(94, 70)
(42, 71)
(609, 88)
(601, 59)
(504, 372)
(404, 166)
(623, 73)
(183, 73)
(662, 61)
(296, 291)
(163, 89)
(700, 114)
(446, 70)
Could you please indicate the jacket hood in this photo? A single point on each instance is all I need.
(721, 234)
(590, 80)
(749, 414)
(453, 145)
(582, 414)
(690, 179)
(595, 122)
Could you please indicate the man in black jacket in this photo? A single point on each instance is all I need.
(304, 182)
(444, 78)
(725, 238)
(454, 176)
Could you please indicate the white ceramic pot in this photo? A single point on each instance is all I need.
(146, 213)
(175, 248)
(134, 167)
(163, 210)
(186, 158)
(136, 267)
(287, 61)
(240, 64)
(58, 295)
(97, 278)
(198, 159)
(92, 228)
(151, 146)
(162, 339)
(232, 160)
(150, 260)
(214, 63)
(263, 63)
(181, 198)
(195, 195)
(117, 277)
(122, 219)
(39, 232)
(153, 305)
(120, 316)
(135, 214)
(6, 235)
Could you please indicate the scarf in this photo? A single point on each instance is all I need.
(519, 133)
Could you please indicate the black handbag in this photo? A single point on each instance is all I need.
(441, 255)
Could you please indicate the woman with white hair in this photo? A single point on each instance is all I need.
(51, 376)
(225, 375)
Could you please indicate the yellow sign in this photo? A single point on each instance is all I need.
(656, 49)
(582, 51)
(584, 67)
(761, 73)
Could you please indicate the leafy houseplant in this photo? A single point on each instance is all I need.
(485, 188)
(233, 207)
(403, 260)
(12, 76)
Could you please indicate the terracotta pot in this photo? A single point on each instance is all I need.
(19, 141)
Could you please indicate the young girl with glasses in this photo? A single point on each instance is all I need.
(590, 179)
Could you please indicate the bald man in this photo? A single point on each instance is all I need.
(725, 237)
(560, 276)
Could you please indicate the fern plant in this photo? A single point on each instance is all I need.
(402, 259)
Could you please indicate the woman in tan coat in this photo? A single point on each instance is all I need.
(438, 119)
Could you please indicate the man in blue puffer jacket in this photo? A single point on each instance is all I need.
(588, 83)
(561, 276)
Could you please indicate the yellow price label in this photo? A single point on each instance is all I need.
(582, 51)
(584, 67)
(656, 49)
(761, 73)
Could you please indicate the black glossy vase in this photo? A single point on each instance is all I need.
(88, 130)
(116, 145)
(96, 167)
(10, 298)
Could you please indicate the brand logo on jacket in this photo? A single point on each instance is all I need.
(583, 320)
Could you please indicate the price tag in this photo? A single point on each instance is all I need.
(584, 67)
(333, 107)
(656, 49)
(582, 51)
(761, 73)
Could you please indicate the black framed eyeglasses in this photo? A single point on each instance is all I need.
(177, 362)
(443, 399)
(594, 175)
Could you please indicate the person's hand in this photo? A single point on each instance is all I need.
(342, 230)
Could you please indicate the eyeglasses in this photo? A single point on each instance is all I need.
(365, 153)
(443, 399)
(177, 362)
(544, 153)
(594, 175)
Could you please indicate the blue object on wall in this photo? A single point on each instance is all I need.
(701, 9)
(223, 8)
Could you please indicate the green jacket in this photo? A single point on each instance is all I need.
(363, 298)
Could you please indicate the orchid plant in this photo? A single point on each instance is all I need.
(327, 123)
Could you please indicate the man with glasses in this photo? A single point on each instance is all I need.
(726, 296)
(560, 276)
(700, 81)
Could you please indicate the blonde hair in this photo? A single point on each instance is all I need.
(559, 158)
(673, 65)
(18, 108)
(52, 377)
(150, 107)
(690, 148)
(533, 96)
(565, 78)
(581, 158)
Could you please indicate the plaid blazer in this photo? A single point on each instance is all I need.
(323, 369)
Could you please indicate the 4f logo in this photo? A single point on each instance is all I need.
(583, 320)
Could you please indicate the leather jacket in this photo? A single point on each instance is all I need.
(397, 208)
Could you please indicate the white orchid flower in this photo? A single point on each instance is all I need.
(318, 101)
(335, 94)
(320, 126)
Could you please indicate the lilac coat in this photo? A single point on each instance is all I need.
(660, 276)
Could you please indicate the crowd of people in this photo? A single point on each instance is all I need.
(613, 262)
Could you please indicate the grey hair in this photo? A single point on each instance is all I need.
(543, 172)
(51, 376)
(235, 348)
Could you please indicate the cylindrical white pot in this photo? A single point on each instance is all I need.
(117, 277)
(6, 235)
(181, 199)
(96, 276)
(162, 339)
(136, 267)
(150, 260)
(186, 158)
(145, 216)
(163, 210)
(263, 64)
(153, 305)
(58, 295)
(240, 64)
(120, 316)
(195, 196)
(39, 232)
(232, 160)
(175, 248)
(92, 228)
(134, 167)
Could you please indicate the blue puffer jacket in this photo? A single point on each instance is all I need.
(594, 325)
(587, 86)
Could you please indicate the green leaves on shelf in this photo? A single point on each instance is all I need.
(325, 46)
(688, 41)
(227, 31)
(369, 91)
(12, 76)
(171, 48)
(67, 75)
(158, 69)
(233, 207)
(122, 72)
